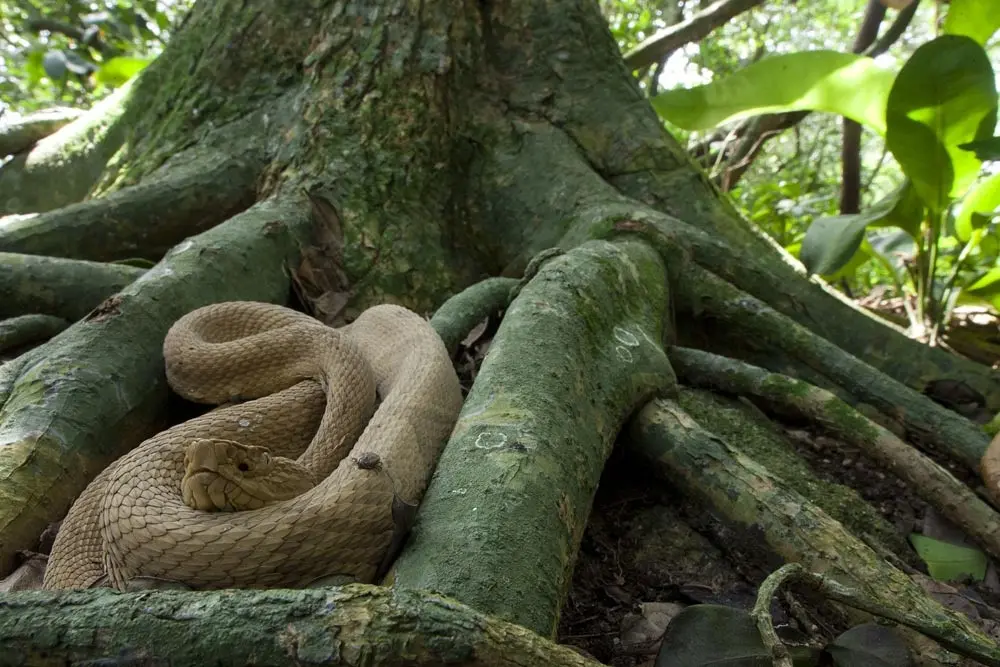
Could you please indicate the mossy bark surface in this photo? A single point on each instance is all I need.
(765, 514)
(579, 348)
(144, 221)
(66, 288)
(62, 168)
(354, 625)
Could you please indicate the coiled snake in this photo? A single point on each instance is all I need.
(391, 400)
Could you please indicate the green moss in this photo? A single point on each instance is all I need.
(746, 430)
(577, 351)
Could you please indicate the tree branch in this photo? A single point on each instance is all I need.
(71, 31)
(660, 45)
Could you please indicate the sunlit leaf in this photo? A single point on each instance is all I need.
(977, 19)
(846, 84)
(987, 288)
(945, 96)
(117, 71)
(977, 207)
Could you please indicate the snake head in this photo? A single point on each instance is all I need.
(223, 475)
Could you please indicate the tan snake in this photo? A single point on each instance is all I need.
(391, 401)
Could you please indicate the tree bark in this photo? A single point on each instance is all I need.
(762, 513)
(63, 167)
(587, 331)
(24, 330)
(66, 288)
(18, 133)
(353, 625)
(143, 221)
(662, 44)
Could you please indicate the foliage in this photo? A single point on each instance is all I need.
(794, 178)
(936, 114)
(69, 52)
(711, 634)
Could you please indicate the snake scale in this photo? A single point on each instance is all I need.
(365, 408)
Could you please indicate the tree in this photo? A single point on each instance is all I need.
(403, 152)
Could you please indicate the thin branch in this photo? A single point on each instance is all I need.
(663, 43)
(71, 31)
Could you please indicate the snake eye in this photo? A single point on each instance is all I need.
(243, 467)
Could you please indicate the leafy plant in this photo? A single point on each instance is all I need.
(937, 115)
(70, 52)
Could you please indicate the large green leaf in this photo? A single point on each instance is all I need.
(830, 243)
(945, 96)
(978, 207)
(987, 150)
(977, 19)
(893, 250)
(842, 83)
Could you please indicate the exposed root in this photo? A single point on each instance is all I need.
(144, 220)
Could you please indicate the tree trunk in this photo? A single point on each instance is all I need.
(400, 151)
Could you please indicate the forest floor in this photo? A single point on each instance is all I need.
(647, 554)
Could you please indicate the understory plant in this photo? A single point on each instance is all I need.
(936, 234)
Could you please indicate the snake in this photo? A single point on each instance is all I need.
(292, 477)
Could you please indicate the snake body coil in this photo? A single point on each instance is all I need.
(382, 386)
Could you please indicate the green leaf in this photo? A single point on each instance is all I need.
(869, 645)
(978, 207)
(944, 96)
(842, 83)
(710, 634)
(949, 562)
(977, 19)
(830, 243)
(907, 212)
(986, 150)
(118, 70)
(893, 249)
(986, 288)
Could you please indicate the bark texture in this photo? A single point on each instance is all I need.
(578, 350)
(66, 288)
(354, 625)
(760, 508)
(61, 168)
